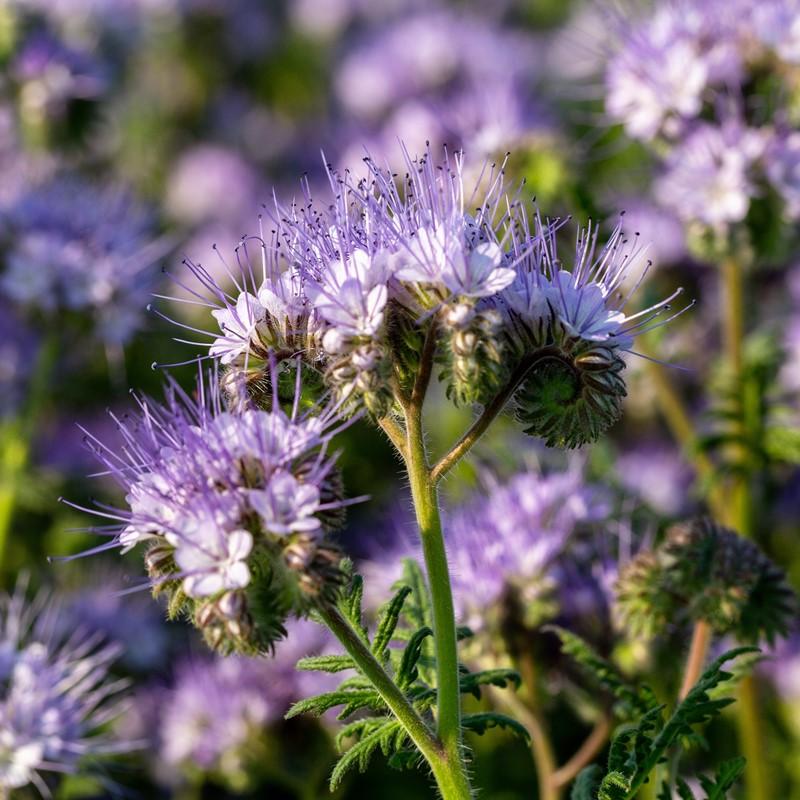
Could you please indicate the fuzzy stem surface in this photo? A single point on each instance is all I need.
(426, 507)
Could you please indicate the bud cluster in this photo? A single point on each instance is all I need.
(702, 571)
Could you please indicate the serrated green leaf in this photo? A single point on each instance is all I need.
(471, 682)
(384, 737)
(319, 704)
(727, 774)
(390, 615)
(631, 700)
(405, 759)
(482, 721)
(351, 605)
(408, 672)
(637, 749)
(329, 663)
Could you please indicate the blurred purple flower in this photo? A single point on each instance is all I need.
(511, 536)
(50, 75)
(75, 247)
(782, 667)
(782, 159)
(709, 176)
(215, 711)
(655, 472)
(135, 623)
(201, 176)
(55, 694)
(18, 346)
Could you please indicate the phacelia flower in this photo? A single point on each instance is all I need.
(213, 717)
(656, 79)
(233, 508)
(354, 288)
(56, 695)
(569, 329)
(76, 248)
(782, 160)
(709, 176)
(507, 541)
(94, 603)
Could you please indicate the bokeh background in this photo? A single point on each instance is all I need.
(137, 133)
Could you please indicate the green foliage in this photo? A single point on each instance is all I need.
(402, 644)
(482, 721)
(630, 700)
(587, 784)
(748, 415)
(716, 787)
(638, 748)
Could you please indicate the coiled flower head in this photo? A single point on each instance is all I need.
(234, 508)
(55, 695)
(702, 571)
(569, 330)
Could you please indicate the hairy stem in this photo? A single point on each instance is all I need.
(489, 413)
(396, 434)
(698, 650)
(397, 702)
(426, 506)
(585, 754)
(425, 366)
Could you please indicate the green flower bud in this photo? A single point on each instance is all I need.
(702, 571)
(573, 393)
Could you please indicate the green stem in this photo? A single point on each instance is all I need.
(449, 776)
(426, 506)
(741, 518)
(17, 436)
(739, 500)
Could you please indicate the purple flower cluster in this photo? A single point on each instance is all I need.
(452, 75)
(334, 280)
(679, 78)
(76, 247)
(509, 539)
(221, 496)
(55, 694)
(215, 712)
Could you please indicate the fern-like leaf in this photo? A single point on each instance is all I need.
(482, 721)
(631, 701)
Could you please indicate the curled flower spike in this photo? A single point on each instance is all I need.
(569, 330)
(55, 697)
(234, 509)
(702, 571)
